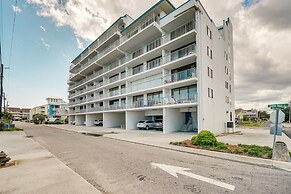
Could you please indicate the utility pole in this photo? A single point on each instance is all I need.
(1, 90)
(4, 98)
(290, 111)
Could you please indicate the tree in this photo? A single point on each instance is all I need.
(263, 114)
(38, 118)
(286, 111)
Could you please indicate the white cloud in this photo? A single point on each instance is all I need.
(41, 27)
(16, 9)
(44, 43)
(262, 40)
(80, 44)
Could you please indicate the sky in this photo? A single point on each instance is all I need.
(49, 34)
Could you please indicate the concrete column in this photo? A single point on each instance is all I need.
(173, 120)
(132, 118)
(90, 120)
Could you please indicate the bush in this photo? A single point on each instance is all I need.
(204, 138)
(221, 146)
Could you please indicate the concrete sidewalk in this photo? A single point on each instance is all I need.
(258, 136)
(36, 170)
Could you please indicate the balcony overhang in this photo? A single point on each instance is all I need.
(75, 68)
(149, 33)
(77, 77)
(180, 41)
(191, 58)
(110, 57)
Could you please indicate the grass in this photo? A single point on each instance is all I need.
(241, 149)
(12, 129)
(258, 124)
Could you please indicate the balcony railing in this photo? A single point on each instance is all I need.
(114, 93)
(187, 27)
(181, 99)
(146, 22)
(114, 79)
(182, 75)
(183, 52)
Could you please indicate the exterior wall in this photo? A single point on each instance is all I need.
(214, 112)
(113, 119)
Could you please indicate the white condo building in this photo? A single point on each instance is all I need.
(170, 64)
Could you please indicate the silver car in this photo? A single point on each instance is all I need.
(146, 124)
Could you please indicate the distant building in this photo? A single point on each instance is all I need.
(240, 114)
(55, 108)
(19, 113)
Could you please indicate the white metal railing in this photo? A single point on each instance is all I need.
(180, 99)
(182, 75)
(114, 79)
(114, 93)
(187, 27)
(183, 52)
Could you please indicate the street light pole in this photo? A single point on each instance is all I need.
(290, 111)
(1, 89)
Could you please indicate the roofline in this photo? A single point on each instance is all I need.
(101, 35)
(154, 6)
(175, 9)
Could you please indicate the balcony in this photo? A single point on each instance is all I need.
(140, 34)
(179, 76)
(181, 99)
(114, 93)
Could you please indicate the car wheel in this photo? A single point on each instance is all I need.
(147, 127)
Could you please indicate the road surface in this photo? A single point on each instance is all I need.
(115, 166)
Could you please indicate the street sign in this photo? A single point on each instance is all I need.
(281, 117)
(280, 106)
(273, 129)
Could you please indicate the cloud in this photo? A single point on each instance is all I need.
(262, 40)
(41, 27)
(16, 9)
(80, 43)
(44, 43)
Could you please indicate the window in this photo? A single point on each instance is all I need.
(209, 34)
(154, 44)
(184, 94)
(227, 99)
(138, 101)
(136, 53)
(226, 84)
(92, 105)
(229, 88)
(154, 98)
(230, 116)
(226, 70)
(209, 52)
(101, 104)
(137, 69)
(210, 72)
(225, 56)
(210, 93)
(154, 63)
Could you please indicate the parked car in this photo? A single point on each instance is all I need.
(98, 122)
(146, 124)
(159, 124)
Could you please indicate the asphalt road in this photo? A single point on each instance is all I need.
(115, 166)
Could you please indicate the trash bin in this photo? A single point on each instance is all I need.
(6, 126)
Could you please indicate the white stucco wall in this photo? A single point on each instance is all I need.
(113, 119)
(173, 120)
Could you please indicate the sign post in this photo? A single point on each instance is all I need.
(276, 117)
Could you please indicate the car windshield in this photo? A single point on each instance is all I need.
(141, 122)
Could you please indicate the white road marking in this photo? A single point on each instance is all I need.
(174, 170)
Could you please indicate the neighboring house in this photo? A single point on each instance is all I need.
(19, 114)
(55, 108)
(170, 64)
(252, 114)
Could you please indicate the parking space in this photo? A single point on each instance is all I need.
(92, 119)
(80, 119)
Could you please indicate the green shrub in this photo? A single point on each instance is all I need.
(204, 138)
(221, 146)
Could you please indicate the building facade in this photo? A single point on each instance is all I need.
(54, 108)
(170, 64)
(19, 114)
